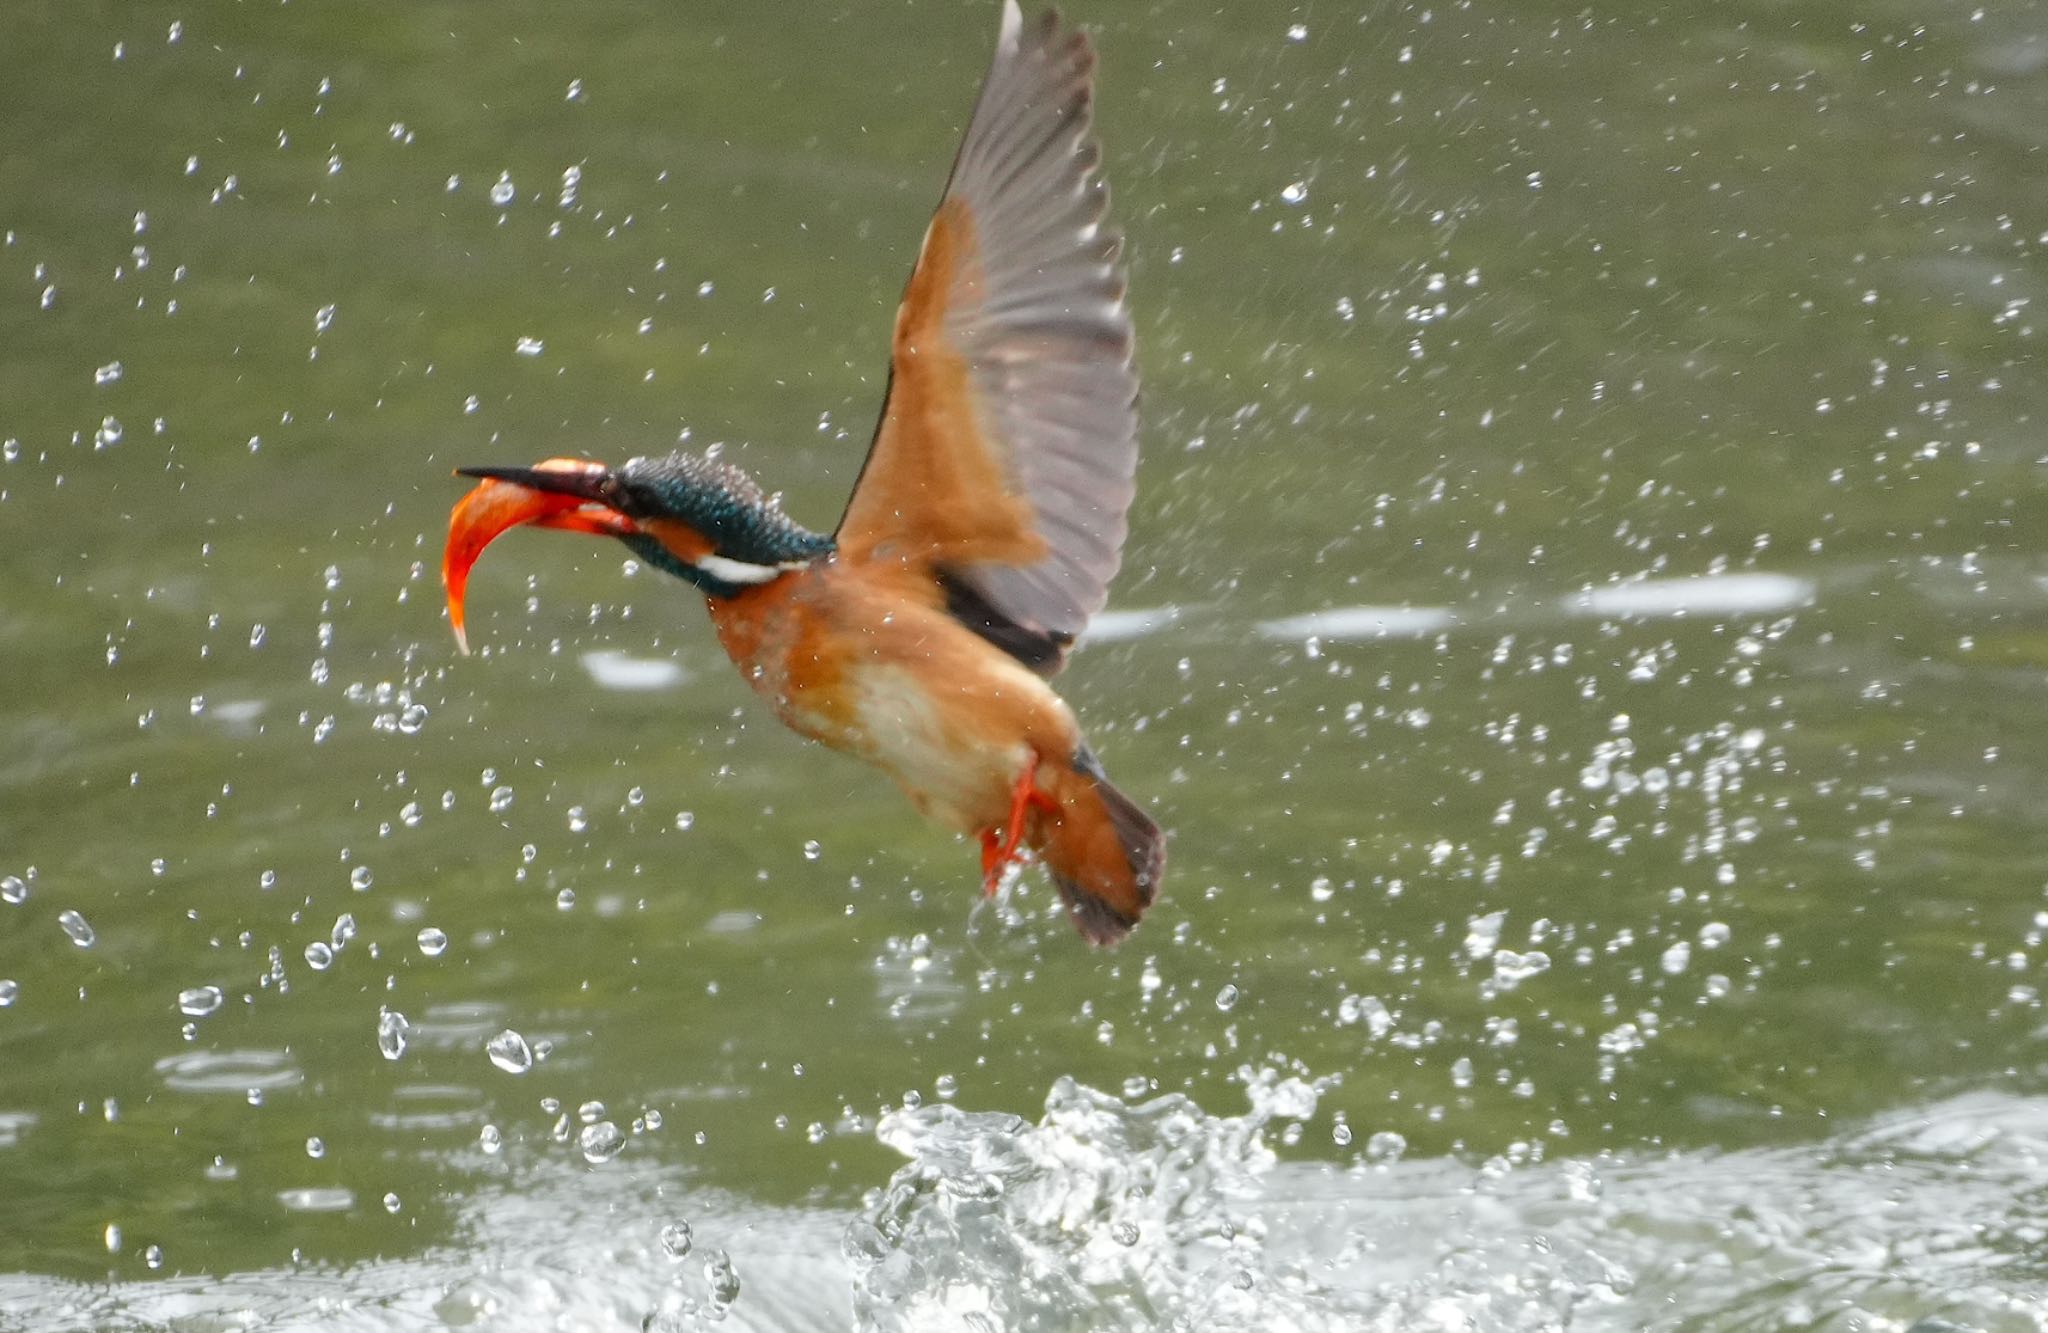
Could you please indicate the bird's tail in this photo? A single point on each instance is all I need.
(1104, 853)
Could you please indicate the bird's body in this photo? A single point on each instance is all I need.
(870, 666)
(988, 519)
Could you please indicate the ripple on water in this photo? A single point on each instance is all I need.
(235, 1072)
(322, 1199)
(614, 670)
(1362, 622)
(432, 1107)
(1116, 626)
(14, 1124)
(457, 1026)
(1713, 594)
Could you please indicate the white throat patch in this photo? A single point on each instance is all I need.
(740, 571)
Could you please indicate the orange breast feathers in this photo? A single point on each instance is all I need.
(864, 659)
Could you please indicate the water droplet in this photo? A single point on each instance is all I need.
(1295, 193)
(1386, 1146)
(509, 1052)
(256, 633)
(676, 1239)
(812, 851)
(316, 1148)
(412, 719)
(1511, 969)
(529, 345)
(1124, 1233)
(344, 930)
(77, 927)
(199, 1001)
(360, 879)
(10, 991)
(1340, 1134)
(503, 192)
(946, 1086)
(112, 1236)
(723, 1279)
(323, 318)
(153, 1256)
(391, 1203)
(684, 819)
(600, 1142)
(579, 820)
(1297, 32)
(108, 373)
(108, 435)
(565, 900)
(501, 800)
(433, 941)
(1676, 958)
(490, 1139)
(13, 890)
(392, 1027)
(1226, 999)
(318, 956)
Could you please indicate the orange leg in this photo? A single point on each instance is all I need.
(1001, 847)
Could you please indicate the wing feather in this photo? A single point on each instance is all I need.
(1004, 458)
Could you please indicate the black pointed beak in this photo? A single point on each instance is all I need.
(585, 481)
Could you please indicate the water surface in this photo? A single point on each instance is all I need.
(1584, 625)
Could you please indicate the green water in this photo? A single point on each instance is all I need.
(1470, 311)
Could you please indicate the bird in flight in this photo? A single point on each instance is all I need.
(986, 524)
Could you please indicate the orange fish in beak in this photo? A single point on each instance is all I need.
(497, 505)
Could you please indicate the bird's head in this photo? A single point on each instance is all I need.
(695, 517)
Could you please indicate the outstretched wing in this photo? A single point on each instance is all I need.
(1003, 461)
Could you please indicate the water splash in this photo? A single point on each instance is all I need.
(1102, 1215)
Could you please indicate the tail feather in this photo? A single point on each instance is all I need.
(1104, 853)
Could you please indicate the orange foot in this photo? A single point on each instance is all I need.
(1000, 848)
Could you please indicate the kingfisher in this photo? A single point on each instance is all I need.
(988, 518)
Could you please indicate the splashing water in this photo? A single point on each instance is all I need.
(1102, 1215)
